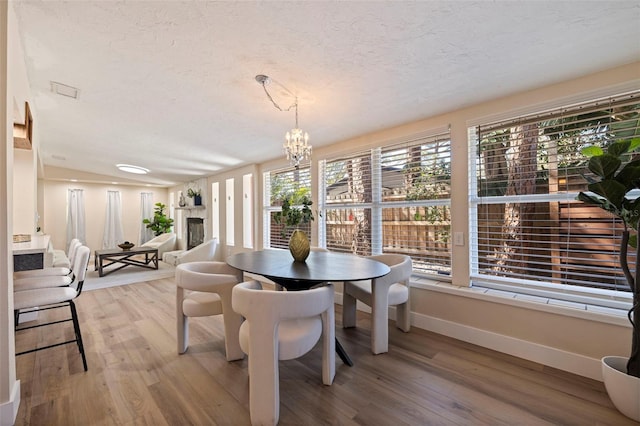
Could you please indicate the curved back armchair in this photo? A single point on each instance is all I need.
(203, 252)
(204, 289)
(163, 242)
(282, 325)
(380, 293)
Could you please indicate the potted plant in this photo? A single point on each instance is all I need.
(612, 192)
(160, 223)
(195, 194)
(292, 217)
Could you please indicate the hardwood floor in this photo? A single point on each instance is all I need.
(136, 377)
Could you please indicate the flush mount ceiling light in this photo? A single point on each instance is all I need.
(296, 145)
(132, 169)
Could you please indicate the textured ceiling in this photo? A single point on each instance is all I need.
(170, 85)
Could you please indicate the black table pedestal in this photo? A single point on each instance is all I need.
(343, 354)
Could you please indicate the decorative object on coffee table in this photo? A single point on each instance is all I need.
(126, 245)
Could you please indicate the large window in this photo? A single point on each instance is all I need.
(393, 199)
(292, 183)
(416, 200)
(527, 227)
(347, 213)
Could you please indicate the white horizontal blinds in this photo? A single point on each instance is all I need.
(283, 183)
(529, 171)
(416, 192)
(347, 200)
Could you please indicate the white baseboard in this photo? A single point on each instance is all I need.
(9, 409)
(545, 355)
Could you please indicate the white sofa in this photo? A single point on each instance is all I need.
(204, 252)
(163, 242)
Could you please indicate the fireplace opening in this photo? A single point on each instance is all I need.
(195, 232)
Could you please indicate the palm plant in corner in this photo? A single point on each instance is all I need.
(617, 193)
(292, 216)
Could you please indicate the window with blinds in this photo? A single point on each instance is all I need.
(393, 199)
(347, 204)
(416, 193)
(528, 228)
(278, 185)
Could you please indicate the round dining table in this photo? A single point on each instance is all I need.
(320, 267)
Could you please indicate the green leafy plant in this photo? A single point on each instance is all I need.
(612, 193)
(191, 193)
(291, 216)
(161, 223)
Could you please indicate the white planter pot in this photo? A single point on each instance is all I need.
(623, 389)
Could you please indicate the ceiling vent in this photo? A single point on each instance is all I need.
(64, 90)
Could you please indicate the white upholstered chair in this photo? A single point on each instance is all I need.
(163, 243)
(380, 293)
(203, 252)
(52, 270)
(40, 299)
(55, 277)
(204, 289)
(282, 325)
(57, 258)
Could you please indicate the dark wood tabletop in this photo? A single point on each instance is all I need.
(279, 266)
(119, 251)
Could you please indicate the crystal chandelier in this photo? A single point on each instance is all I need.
(296, 146)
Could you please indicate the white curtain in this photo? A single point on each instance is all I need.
(146, 212)
(113, 234)
(75, 217)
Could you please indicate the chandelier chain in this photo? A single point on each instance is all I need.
(296, 146)
(264, 87)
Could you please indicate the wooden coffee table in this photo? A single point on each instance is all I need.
(107, 257)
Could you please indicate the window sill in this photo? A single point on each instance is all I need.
(555, 306)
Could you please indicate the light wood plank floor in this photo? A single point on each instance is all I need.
(136, 377)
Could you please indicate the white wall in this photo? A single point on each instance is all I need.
(95, 195)
(25, 160)
(24, 191)
(9, 86)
